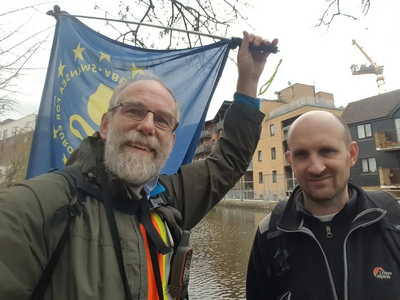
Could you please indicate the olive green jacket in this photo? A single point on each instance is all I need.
(88, 268)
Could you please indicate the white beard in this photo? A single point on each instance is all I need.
(134, 168)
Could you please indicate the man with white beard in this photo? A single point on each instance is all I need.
(119, 242)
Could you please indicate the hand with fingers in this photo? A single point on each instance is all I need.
(251, 63)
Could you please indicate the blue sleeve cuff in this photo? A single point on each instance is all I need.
(240, 98)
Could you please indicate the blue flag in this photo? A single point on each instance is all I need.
(84, 69)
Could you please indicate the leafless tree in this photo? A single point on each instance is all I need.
(207, 16)
(334, 9)
(16, 51)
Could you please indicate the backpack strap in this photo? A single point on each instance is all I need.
(161, 205)
(281, 255)
(69, 211)
(273, 220)
(112, 223)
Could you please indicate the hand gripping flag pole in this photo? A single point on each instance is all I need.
(233, 44)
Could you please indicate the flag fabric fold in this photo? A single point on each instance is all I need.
(84, 69)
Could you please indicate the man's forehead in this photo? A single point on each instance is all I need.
(139, 86)
(141, 89)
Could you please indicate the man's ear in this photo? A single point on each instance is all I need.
(353, 150)
(104, 126)
(173, 141)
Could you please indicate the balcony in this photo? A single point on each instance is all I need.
(286, 161)
(389, 177)
(203, 148)
(303, 101)
(388, 140)
(285, 132)
(219, 126)
(205, 134)
(291, 183)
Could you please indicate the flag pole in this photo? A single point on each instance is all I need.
(234, 42)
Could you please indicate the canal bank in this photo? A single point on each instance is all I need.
(244, 203)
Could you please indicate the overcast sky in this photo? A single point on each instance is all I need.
(311, 55)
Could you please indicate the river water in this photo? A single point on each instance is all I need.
(222, 243)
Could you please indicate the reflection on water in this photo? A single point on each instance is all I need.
(222, 244)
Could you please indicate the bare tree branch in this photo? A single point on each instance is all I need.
(334, 9)
(214, 17)
(23, 41)
(16, 56)
(24, 8)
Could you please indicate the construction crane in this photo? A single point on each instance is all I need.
(372, 69)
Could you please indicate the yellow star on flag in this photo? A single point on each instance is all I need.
(61, 69)
(135, 70)
(64, 159)
(78, 52)
(104, 56)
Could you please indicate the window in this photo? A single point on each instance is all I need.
(273, 153)
(260, 177)
(368, 165)
(260, 155)
(272, 129)
(5, 133)
(213, 142)
(13, 130)
(364, 131)
(274, 177)
(12, 145)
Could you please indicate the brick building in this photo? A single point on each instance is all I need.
(15, 145)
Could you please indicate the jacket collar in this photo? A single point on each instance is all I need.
(89, 155)
(293, 216)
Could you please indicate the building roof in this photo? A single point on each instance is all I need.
(372, 108)
(6, 121)
(221, 112)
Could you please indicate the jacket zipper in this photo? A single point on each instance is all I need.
(309, 232)
(346, 288)
(329, 232)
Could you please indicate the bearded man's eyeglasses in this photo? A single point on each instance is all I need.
(137, 112)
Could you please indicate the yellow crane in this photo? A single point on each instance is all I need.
(371, 69)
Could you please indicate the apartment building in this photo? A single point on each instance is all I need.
(375, 125)
(211, 133)
(273, 177)
(15, 144)
(208, 137)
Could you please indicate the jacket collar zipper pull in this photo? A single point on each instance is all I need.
(329, 232)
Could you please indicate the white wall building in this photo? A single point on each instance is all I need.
(10, 128)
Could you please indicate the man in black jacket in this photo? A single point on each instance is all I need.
(331, 240)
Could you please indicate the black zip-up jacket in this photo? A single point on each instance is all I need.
(297, 260)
